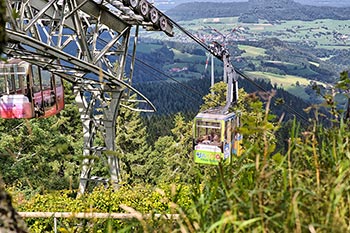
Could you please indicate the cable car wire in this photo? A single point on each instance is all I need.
(206, 47)
(102, 41)
(189, 34)
(291, 110)
(173, 79)
(178, 90)
(169, 77)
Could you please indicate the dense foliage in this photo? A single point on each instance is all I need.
(41, 154)
(304, 188)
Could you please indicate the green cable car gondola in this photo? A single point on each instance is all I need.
(216, 138)
(215, 135)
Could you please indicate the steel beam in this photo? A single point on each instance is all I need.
(86, 43)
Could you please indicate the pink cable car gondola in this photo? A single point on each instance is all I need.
(28, 91)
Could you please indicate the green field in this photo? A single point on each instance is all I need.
(281, 80)
(251, 51)
(323, 33)
(293, 84)
(148, 47)
(186, 57)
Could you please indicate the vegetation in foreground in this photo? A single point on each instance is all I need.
(302, 188)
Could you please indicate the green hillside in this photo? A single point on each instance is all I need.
(293, 84)
(253, 10)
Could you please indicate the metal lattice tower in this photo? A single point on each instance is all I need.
(87, 43)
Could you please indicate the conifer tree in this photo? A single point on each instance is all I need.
(131, 145)
(158, 160)
(216, 98)
(172, 158)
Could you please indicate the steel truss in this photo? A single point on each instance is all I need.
(85, 42)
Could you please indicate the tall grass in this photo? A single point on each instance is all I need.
(307, 189)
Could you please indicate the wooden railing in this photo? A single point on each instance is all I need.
(56, 215)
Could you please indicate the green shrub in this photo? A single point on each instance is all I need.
(143, 199)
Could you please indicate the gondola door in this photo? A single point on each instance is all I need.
(48, 93)
(237, 139)
(38, 96)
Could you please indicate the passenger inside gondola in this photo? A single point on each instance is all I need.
(216, 139)
(206, 139)
(212, 139)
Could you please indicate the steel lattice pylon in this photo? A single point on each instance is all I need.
(85, 42)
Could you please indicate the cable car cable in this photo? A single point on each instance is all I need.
(168, 76)
(178, 90)
(162, 73)
(237, 71)
(291, 110)
(196, 39)
(173, 79)
(102, 41)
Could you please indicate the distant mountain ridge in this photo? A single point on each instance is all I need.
(168, 4)
(271, 10)
(343, 3)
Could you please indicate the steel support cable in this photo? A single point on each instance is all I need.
(201, 43)
(167, 76)
(178, 90)
(291, 110)
(159, 71)
(173, 79)
(206, 47)
(196, 39)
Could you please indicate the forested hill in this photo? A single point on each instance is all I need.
(271, 10)
(170, 98)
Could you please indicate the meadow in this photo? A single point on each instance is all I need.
(323, 33)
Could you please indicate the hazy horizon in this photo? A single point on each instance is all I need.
(167, 4)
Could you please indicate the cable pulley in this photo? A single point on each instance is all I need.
(154, 16)
(143, 9)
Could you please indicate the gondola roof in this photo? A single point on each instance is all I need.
(215, 115)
